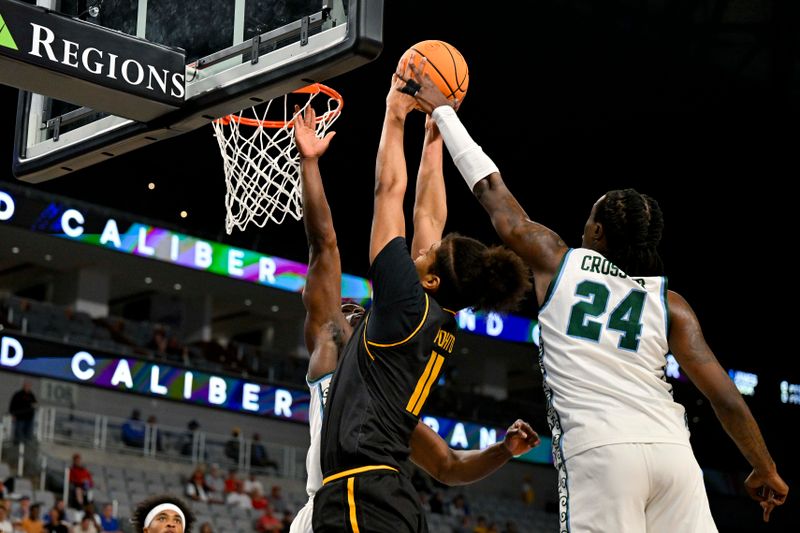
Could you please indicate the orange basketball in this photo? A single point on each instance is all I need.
(446, 66)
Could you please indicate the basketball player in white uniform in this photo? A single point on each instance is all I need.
(607, 320)
(329, 324)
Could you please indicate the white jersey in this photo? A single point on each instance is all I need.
(603, 358)
(316, 408)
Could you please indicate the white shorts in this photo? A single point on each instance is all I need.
(630, 488)
(302, 520)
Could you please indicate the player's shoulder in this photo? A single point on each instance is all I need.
(676, 299)
(679, 309)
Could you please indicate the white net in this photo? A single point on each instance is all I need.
(262, 166)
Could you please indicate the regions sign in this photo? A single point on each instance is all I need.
(48, 53)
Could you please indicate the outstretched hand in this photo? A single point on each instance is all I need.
(397, 101)
(305, 135)
(520, 437)
(429, 96)
(767, 489)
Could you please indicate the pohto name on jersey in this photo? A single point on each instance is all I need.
(601, 265)
(445, 340)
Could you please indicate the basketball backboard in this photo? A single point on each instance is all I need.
(238, 53)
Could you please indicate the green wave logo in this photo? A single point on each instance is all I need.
(5, 36)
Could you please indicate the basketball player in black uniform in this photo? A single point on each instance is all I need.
(328, 324)
(395, 355)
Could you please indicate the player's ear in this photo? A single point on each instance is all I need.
(598, 232)
(430, 282)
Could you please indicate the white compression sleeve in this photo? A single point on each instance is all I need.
(469, 158)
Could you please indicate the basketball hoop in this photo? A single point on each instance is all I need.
(262, 166)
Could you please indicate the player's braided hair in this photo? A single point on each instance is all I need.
(633, 225)
(480, 277)
(140, 513)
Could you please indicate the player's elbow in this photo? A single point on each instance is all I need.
(728, 405)
(390, 187)
(323, 242)
(512, 230)
(430, 218)
(448, 471)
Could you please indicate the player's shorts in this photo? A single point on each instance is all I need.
(630, 488)
(378, 501)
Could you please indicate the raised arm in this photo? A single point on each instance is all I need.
(689, 347)
(430, 203)
(322, 292)
(540, 247)
(459, 467)
(388, 220)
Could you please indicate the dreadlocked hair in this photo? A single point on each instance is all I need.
(633, 225)
(480, 277)
(140, 513)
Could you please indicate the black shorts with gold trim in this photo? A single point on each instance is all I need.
(368, 500)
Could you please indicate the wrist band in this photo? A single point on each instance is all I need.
(468, 157)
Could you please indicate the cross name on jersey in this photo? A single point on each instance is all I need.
(601, 265)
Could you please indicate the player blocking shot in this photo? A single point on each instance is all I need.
(620, 441)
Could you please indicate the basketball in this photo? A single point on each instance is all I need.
(446, 66)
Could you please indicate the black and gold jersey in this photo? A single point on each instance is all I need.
(387, 369)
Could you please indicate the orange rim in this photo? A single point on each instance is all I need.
(314, 88)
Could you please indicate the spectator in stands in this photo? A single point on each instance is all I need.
(87, 525)
(160, 342)
(231, 482)
(511, 527)
(187, 439)
(22, 511)
(277, 501)
(156, 513)
(108, 522)
(5, 524)
(56, 523)
(239, 498)
(252, 484)
(437, 502)
(528, 494)
(62, 508)
(206, 528)
(258, 500)
(22, 409)
(196, 488)
(89, 512)
(233, 444)
(268, 523)
(258, 454)
(215, 484)
(80, 483)
(459, 506)
(133, 430)
(164, 345)
(33, 522)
